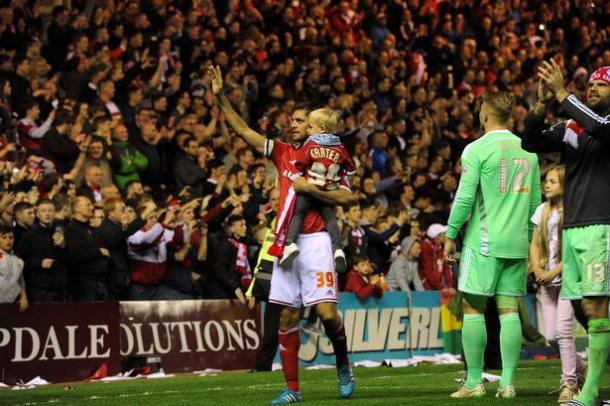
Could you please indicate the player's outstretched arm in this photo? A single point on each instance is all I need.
(340, 196)
(252, 138)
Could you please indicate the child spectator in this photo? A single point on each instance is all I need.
(361, 282)
(545, 254)
(12, 283)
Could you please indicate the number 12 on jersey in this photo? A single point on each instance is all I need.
(522, 168)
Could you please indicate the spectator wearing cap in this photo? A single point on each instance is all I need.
(87, 258)
(42, 249)
(434, 272)
(189, 169)
(12, 282)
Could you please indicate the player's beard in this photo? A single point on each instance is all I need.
(602, 106)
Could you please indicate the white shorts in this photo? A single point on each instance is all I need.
(312, 278)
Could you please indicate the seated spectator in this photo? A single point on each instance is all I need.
(228, 264)
(361, 281)
(42, 249)
(12, 282)
(434, 272)
(87, 258)
(403, 272)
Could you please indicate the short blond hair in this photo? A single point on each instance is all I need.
(325, 117)
(501, 104)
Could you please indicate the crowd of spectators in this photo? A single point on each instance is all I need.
(122, 179)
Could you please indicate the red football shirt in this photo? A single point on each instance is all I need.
(324, 166)
(284, 156)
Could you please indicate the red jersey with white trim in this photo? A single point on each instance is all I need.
(284, 156)
(324, 166)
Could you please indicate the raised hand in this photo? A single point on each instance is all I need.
(544, 93)
(216, 77)
(552, 76)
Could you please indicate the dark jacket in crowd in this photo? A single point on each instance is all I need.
(152, 175)
(83, 252)
(35, 245)
(112, 237)
(61, 150)
(378, 249)
(188, 173)
(56, 50)
(222, 280)
(18, 232)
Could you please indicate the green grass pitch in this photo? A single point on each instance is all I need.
(423, 385)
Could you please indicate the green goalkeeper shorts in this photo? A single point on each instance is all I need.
(491, 276)
(585, 256)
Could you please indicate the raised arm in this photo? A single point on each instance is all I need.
(252, 138)
(536, 137)
(598, 127)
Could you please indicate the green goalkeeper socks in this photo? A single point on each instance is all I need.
(474, 340)
(510, 346)
(599, 347)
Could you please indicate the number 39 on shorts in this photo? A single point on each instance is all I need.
(325, 280)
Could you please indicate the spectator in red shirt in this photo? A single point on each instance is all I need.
(361, 282)
(434, 272)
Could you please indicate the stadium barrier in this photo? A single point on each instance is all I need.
(381, 329)
(69, 341)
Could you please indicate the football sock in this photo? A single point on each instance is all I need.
(599, 346)
(337, 337)
(510, 346)
(474, 340)
(289, 353)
